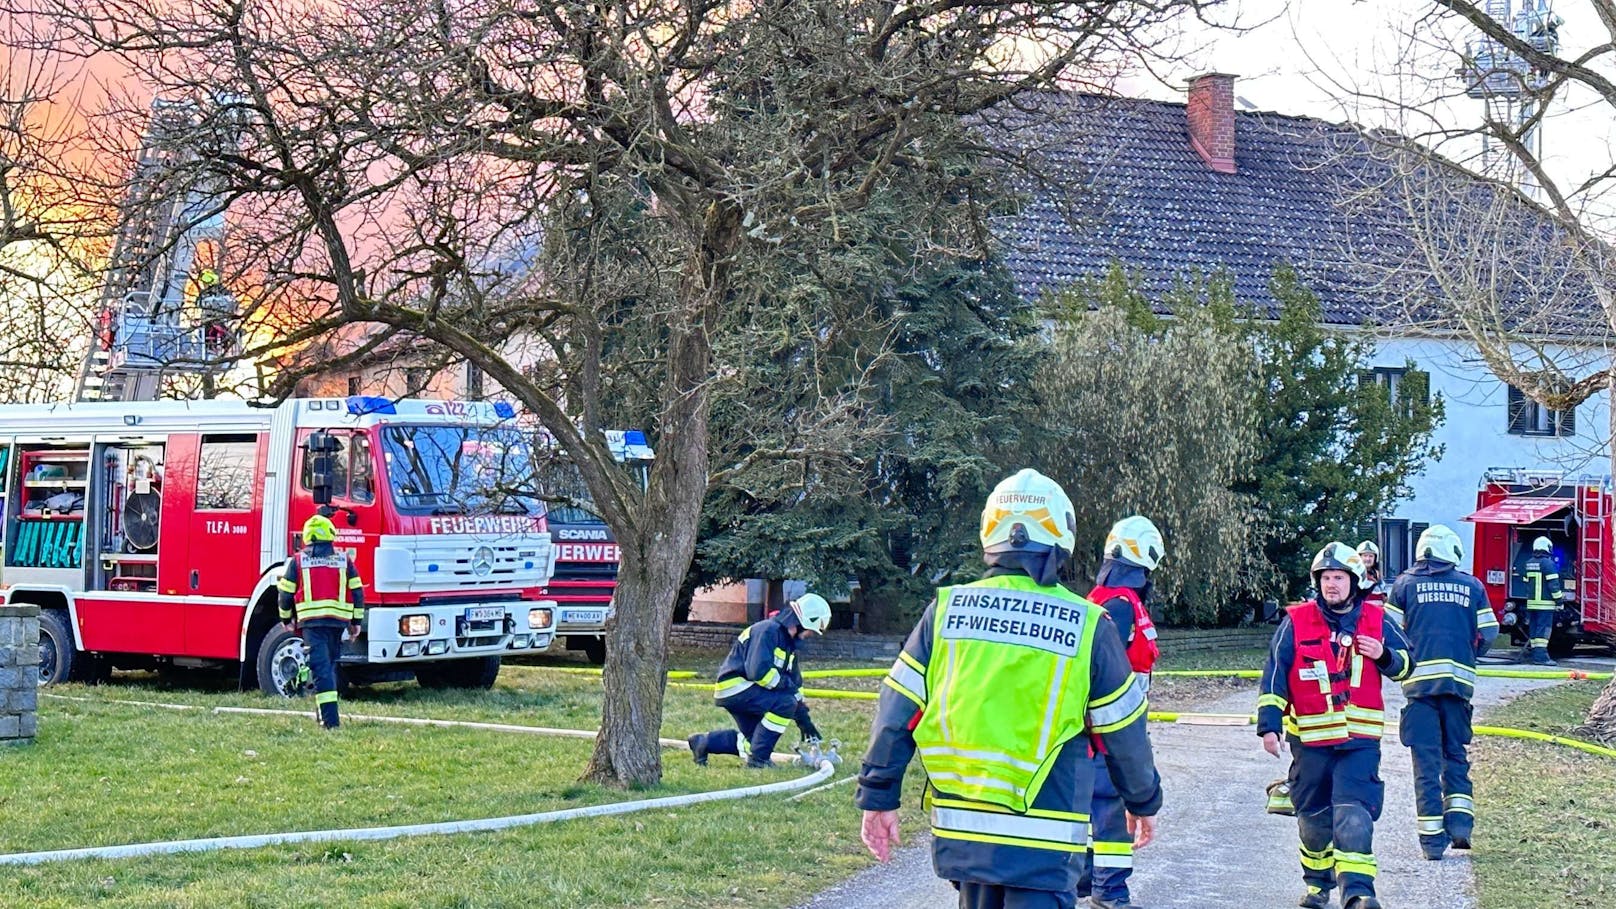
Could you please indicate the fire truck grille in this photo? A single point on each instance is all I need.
(461, 562)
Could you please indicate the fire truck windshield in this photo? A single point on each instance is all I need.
(460, 470)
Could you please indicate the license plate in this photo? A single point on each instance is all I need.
(485, 613)
(583, 615)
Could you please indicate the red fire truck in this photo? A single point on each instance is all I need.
(1516, 506)
(587, 555)
(152, 533)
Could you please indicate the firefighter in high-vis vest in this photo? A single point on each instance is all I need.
(1321, 693)
(760, 684)
(322, 596)
(1448, 621)
(1537, 579)
(999, 688)
(1132, 551)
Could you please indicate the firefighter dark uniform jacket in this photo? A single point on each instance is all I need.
(998, 688)
(1537, 580)
(321, 583)
(1317, 688)
(1445, 615)
(765, 656)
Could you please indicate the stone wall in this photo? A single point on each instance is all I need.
(19, 673)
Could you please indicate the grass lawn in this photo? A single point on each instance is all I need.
(102, 773)
(1544, 814)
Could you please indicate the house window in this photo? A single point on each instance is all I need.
(1407, 389)
(353, 386)
(1529, 418)
(474, 382)
(415, 379)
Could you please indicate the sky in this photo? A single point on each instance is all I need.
(1321, 57)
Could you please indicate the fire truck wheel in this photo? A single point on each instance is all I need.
(595, 649)
(281, 659)
(477, 672)
(56, 653)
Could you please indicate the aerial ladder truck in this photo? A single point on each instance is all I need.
(145, 331)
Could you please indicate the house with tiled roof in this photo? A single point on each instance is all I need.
(1169, 191)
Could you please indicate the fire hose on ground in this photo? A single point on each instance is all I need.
(252, 841)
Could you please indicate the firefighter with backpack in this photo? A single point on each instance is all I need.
(1133, 548)
(1321, 694)
(321, 597)
(1537, 580)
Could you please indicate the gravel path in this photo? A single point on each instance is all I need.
(1216, 847)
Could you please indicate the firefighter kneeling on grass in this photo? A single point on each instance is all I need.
(760, 685)
(999, 688)
(325, 589)
(1321, 687)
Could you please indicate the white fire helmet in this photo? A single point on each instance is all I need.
(812, 611)
(1337, 557)
(1439, 543)
(1028, 508)
(1369, 547)
(1542, 544)
(1136, 541)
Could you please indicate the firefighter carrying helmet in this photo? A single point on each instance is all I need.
(1542, 544)
(1337, 557)
(1136, 541)
(1028, 512)
(812, 611)
(319, 529)
(1441, 544)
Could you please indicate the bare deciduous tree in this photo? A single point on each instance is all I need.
(652, 193)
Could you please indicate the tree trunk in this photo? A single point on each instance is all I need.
(1602, 716)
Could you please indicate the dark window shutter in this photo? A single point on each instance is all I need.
(1517, 411)
(1417, 386)
(1567, 423)
(1414, 531)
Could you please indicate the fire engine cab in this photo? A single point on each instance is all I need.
(1515, 506)
(152, 534)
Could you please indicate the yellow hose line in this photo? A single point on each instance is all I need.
(1575, 675)
(1512, 733)
(584, 670)
(845, 673)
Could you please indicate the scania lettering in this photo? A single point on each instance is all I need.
(152, 534)
(586, 555)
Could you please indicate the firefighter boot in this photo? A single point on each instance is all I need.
(1124, 903)
(698, 748)
(1459, 828)
(1361, 902)
(1434, 846)
(1315, 899)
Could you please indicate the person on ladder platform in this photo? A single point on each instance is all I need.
(1537, 572)
(1321, 690)
(760, 684)
(1132, 551)
(1448, 621)
(322, 596)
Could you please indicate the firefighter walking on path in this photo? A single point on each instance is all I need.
(321, 595)
(760, 683)
(1537, 578)
(1445, 615)
(1132, 550)
(998, 688)
(1321, 690)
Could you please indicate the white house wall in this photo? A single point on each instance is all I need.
(1476, 432)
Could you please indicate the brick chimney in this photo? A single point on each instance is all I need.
(1210, 112)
